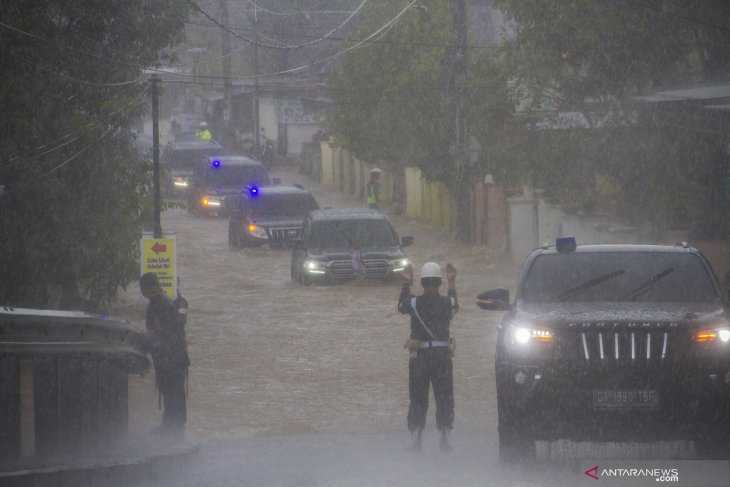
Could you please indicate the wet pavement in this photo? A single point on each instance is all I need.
(305, 386)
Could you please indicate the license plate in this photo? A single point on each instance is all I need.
(625, 399)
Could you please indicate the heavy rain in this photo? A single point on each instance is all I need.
(570, 159)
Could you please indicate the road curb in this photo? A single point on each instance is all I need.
(126, 471)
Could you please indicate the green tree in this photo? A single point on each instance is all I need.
(596, 57)
(390, 94)
(75, 189)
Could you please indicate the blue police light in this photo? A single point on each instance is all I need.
(216, 163)
(253, 191)
(565, 244)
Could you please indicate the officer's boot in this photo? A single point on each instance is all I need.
(444, 443)
(415, 444)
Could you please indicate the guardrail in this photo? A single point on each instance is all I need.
(63, 384)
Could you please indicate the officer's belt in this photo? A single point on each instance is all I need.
(434, 344)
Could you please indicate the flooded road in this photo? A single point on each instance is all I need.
(307, 386)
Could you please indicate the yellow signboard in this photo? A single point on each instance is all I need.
(158, 255)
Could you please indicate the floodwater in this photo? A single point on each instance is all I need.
(307, 386)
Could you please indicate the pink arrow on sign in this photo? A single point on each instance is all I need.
(158, 247)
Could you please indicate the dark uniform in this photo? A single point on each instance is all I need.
(430, 364)
(168, 347)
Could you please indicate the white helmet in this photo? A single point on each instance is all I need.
(203, 124)
(375, 170)
(431, 269)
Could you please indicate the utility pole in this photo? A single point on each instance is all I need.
(257, 143)
(462, 208)
(226, 58)
(154, 80)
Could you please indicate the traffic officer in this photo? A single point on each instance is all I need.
(204, 133)
(373, 189)
(429, 345)
(168, 347)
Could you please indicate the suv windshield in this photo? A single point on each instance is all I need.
(283, 205)
(228, 175)
(619, 277)
(185, 159)
(346, 233)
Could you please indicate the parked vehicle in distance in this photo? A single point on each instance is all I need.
(178, 161)
(185, 126)
(612, 343)
(333, 238)
(273, 215)
(217, 178)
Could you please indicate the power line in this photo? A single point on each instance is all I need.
(74, 136)
(295, 12)
(333, 38)
(70, 78)
(272, 46)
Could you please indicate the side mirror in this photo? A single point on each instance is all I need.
(297, 243)
(276, 181)
(494, 300)
(406, 241)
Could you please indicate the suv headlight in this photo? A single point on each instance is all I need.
(257, 231)
(180, 182)
(212, 202)
(712, 335)
(314, 267)
(524, 335)
(399, 264)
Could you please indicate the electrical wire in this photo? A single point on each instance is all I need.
(294, 12)
(70, 78)
(387, 26)
(74, 136)
(273, 46)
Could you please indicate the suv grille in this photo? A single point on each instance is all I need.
(623, 347)
(374, 268)
(277, 235)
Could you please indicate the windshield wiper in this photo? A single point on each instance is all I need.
(644, 286)
(586, 285)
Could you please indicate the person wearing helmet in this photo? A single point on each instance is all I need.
(429, 345)
(373, 188)
(204, 133)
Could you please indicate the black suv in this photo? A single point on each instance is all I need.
(179, 159)
(217, 178)
(327, 250)
(612, 343)
(273, 215)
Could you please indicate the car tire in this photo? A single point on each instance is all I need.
(516, 442)
(713, 442)
(232, 238)
(302, 278)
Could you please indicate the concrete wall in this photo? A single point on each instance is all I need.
(267, 117)
(533, 222)
(327, 173)
(414, 193)
(298, 134)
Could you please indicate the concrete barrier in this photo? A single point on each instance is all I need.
(63, 385)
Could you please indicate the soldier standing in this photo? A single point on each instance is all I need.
(429, 345)
(168, 346)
